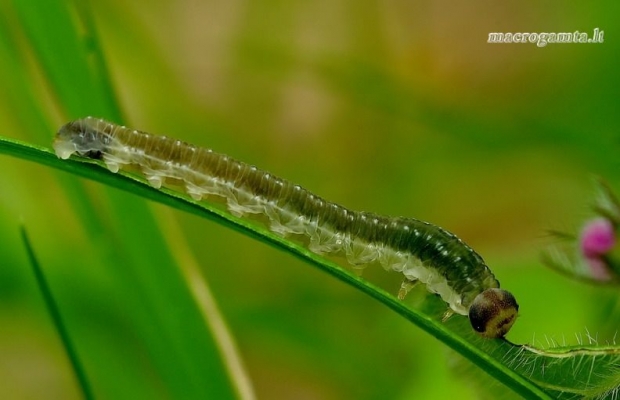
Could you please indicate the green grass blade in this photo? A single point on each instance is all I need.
(511, 364)
(54, 312)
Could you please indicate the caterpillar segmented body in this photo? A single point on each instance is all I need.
(422, 252)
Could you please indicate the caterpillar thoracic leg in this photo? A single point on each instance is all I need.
(405, 287)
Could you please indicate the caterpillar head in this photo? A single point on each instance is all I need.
(85, 136)
(493, 312)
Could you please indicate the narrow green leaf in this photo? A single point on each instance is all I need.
(57, 319)
(531, 372)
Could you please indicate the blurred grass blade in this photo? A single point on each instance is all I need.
(67, 47)
(56, 316)
(177, 342)
(207, 305)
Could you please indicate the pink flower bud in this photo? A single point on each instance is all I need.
(597, 238)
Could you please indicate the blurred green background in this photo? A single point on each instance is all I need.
(395, 107)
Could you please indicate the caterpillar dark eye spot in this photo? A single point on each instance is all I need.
(420, 251)
(493, 312)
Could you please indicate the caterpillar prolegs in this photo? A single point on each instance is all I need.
(421, 251)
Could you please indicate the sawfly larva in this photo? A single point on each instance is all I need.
(421, 251)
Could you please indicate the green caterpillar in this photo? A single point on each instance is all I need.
(422, 252)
